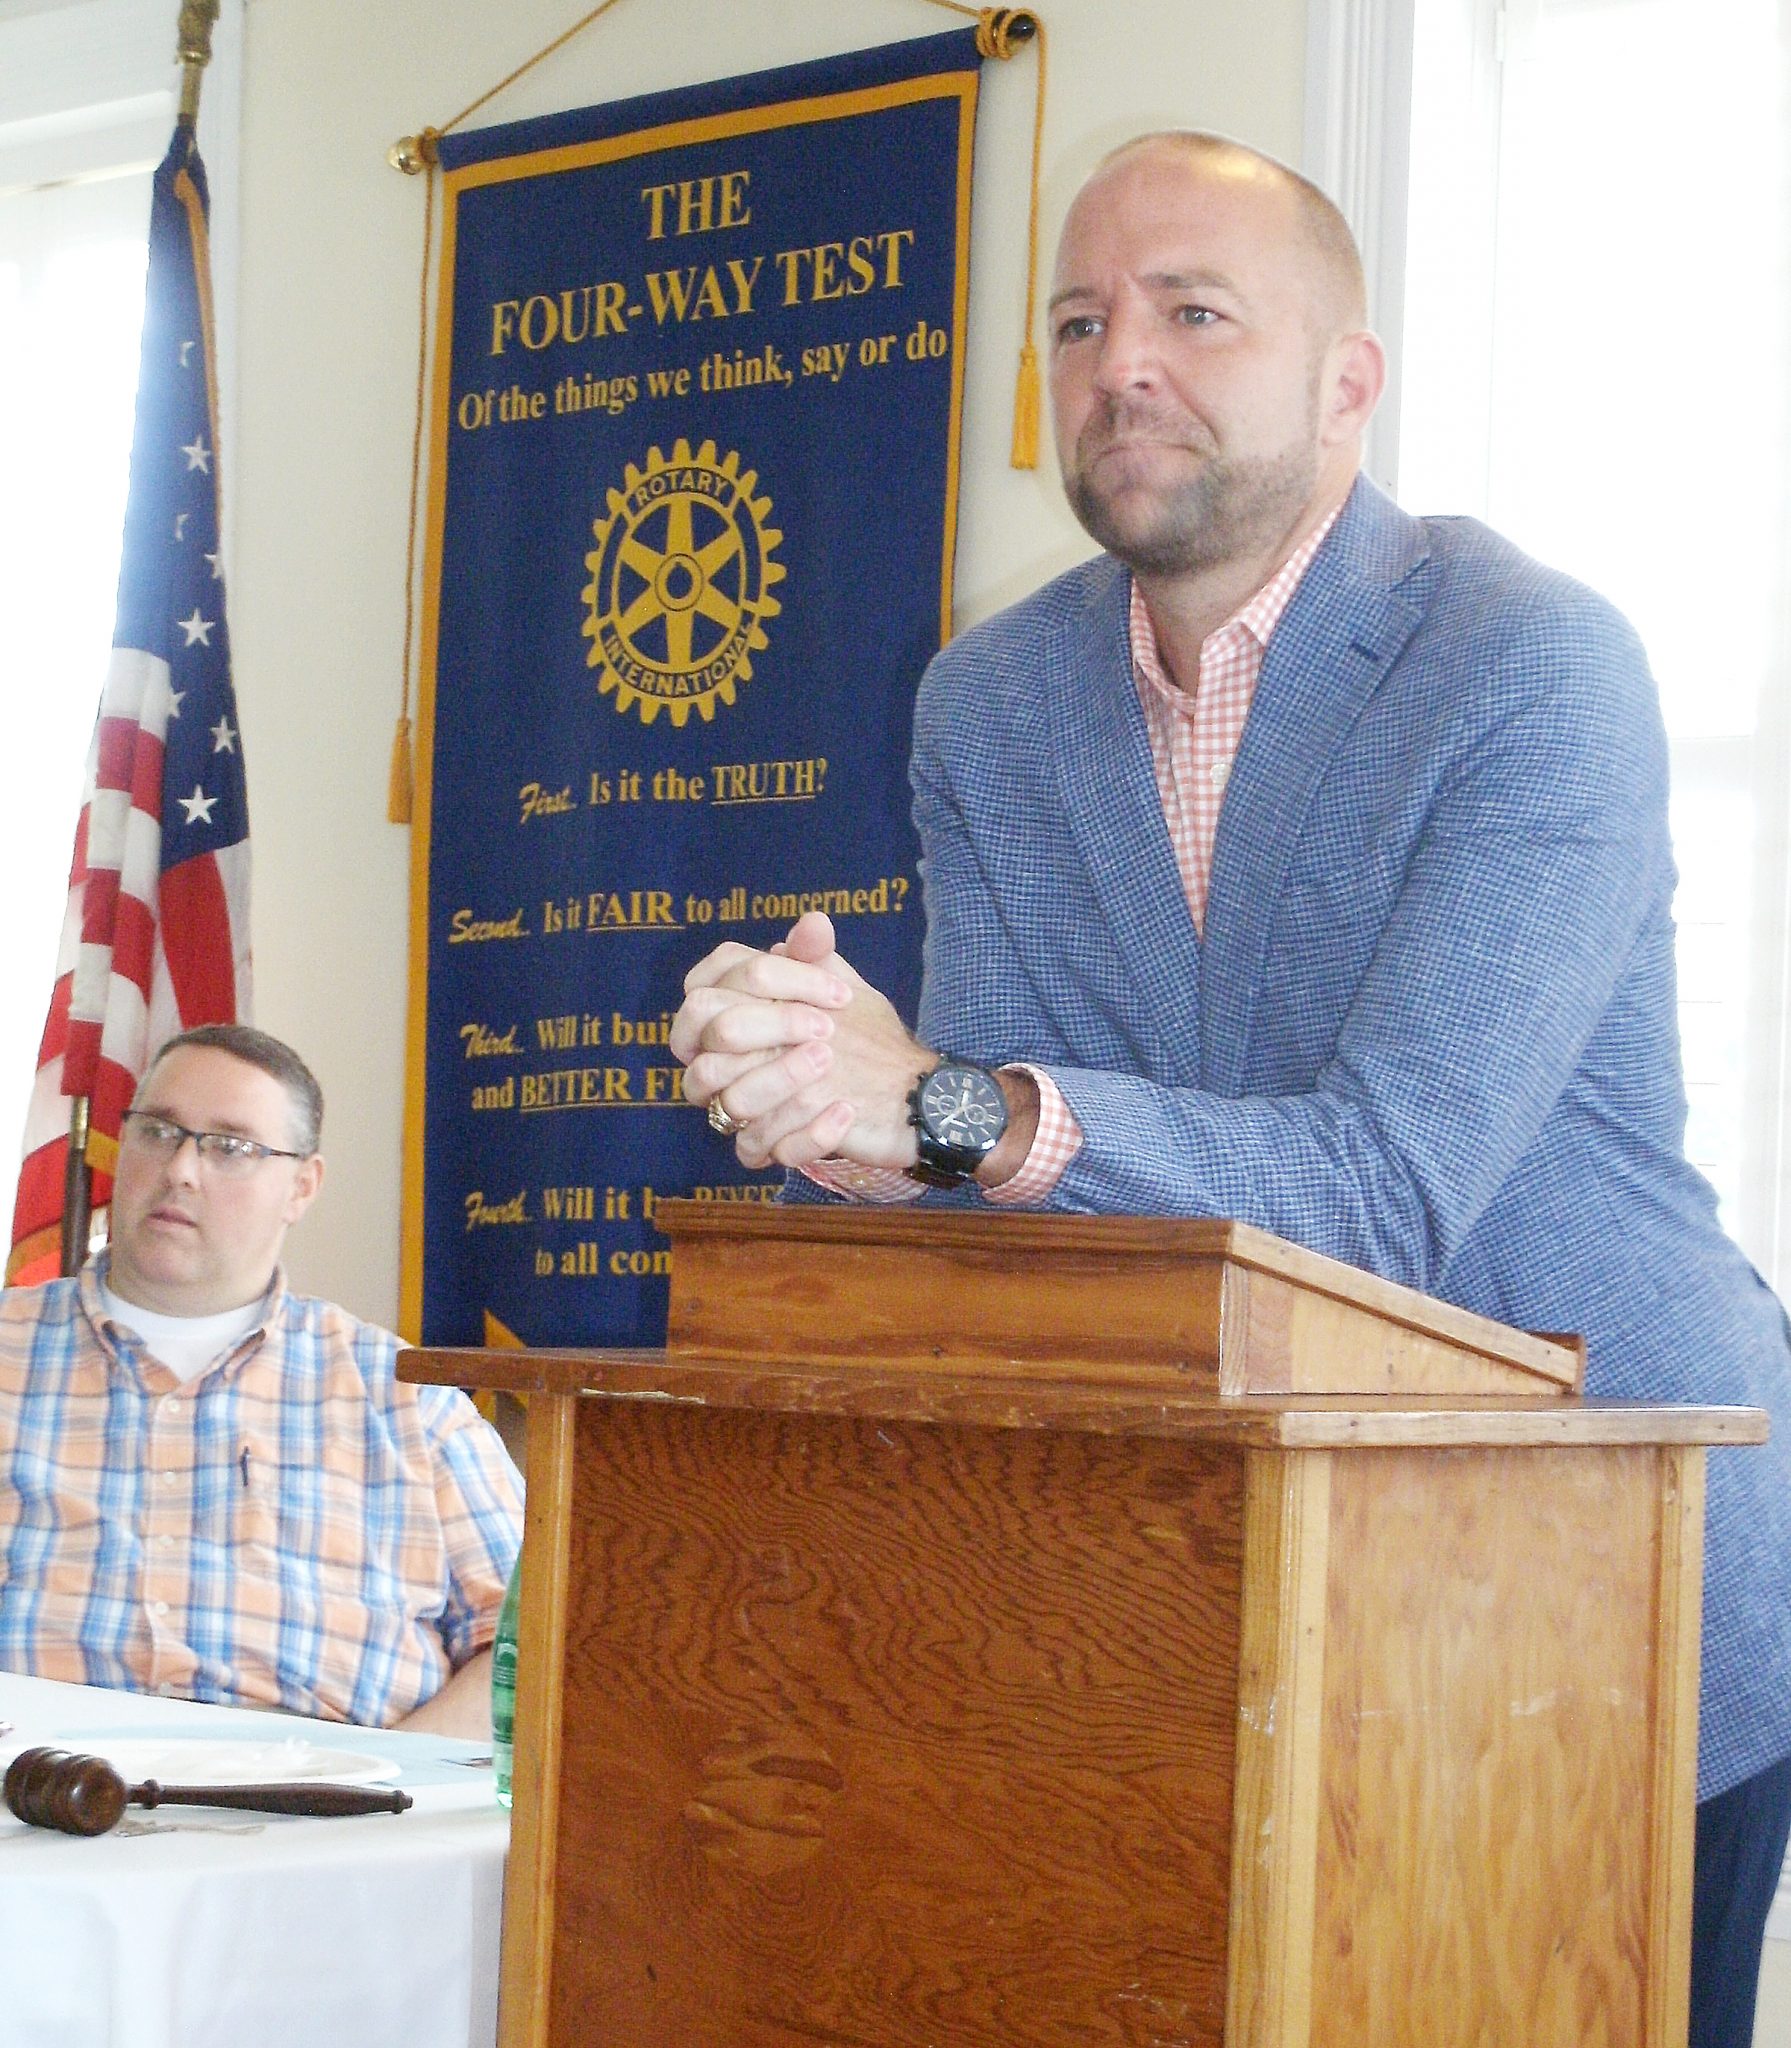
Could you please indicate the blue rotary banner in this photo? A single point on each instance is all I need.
(699, 375)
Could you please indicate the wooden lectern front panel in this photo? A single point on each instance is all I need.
(878, 1734)
(1509, 1731)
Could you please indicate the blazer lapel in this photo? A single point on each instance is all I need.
(1342, 632)
(1110, 798)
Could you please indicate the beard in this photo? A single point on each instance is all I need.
(1229, 509)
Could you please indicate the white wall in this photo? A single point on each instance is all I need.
(1772, 2016)
(330, 248)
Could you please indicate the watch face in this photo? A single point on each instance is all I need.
(963, 1107)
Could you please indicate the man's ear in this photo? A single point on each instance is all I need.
(1355, 377)
(305, 1184)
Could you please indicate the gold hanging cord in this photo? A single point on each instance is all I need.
(1000, 32)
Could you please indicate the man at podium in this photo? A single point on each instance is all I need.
(1305, 863)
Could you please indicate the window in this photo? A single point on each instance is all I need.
(71, 303)
(1597, 316)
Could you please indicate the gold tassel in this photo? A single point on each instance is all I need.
(398, 787)
(1026, 411)
(1004, 32)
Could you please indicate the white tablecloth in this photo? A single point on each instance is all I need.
(237, 1930)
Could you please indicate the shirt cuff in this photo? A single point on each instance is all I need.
(1055, 1143)
(884, 1184)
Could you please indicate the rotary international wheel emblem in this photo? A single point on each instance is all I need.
(681, 577)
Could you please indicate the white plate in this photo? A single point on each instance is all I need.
(196, 1760)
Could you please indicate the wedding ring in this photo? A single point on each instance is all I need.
(720, 1122)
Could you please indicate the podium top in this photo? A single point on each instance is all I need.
(1124, 1325)
(1190, 1305)
(1085, 1404)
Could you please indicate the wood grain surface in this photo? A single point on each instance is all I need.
(1004, 1400)
(1679, 1610)
(1280, 1751)
(1285, 1338)
(1493, 1687)
(1018, 1632)
(529, 1938)
(1210, 1305)
(881, 1736)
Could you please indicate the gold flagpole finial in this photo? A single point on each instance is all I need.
(414, 154)
(193, 51)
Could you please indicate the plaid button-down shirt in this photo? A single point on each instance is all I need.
(1193, 739)
(294, 1528)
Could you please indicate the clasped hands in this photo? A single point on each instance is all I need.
(801, 1051)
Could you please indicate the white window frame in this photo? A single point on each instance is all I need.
(1355, 147)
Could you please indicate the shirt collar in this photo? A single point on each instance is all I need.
(106, 1333)
(1257, 616)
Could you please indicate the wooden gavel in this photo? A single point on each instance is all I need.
(84, 1795)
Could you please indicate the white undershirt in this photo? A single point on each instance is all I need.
(186, 1345)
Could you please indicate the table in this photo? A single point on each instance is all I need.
(204, 1928)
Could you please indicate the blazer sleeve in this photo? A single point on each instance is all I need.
(1541, 867)
(979, 997)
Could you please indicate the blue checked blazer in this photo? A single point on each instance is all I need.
(1431, 1026)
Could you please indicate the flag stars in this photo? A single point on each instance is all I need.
(180, 525)
(217, 566)
(186, 349)
(198, 806)
(175, 700)
(223, 737)
(197, 454)
(197, 629)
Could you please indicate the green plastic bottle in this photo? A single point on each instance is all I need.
(503, 1686)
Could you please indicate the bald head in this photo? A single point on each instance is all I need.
(1339, 289)
(1210, 372)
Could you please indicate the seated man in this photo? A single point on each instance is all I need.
(215, 1489)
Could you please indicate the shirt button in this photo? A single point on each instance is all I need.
(161, 1607)
(1219, 774)
(166, 1690)
(166, 1542)
(168, 1478)
(170, 1401)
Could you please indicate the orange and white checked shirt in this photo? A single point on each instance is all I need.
(293, 1528)
(1194, 738)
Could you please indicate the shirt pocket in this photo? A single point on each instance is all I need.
(254, 1490)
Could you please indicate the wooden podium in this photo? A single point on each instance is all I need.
(1003, 1631)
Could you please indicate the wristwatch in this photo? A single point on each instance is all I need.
(959, 1114)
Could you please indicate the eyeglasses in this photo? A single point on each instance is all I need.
(223, 1151)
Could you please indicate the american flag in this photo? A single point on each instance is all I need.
(156, 935)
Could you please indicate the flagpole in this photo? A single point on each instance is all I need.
(193, 40)
(77, 1190)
